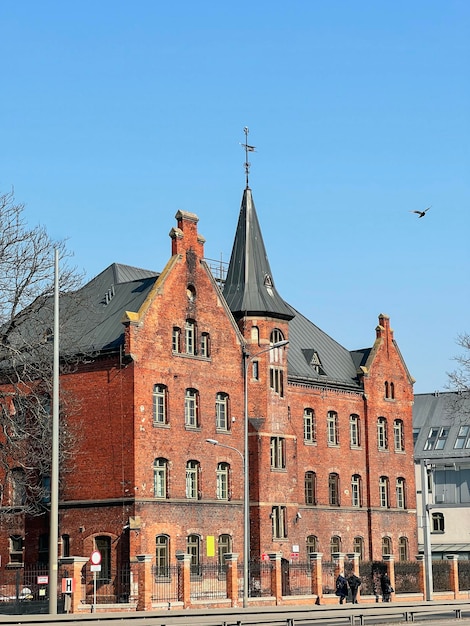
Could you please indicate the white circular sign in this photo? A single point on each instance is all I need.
(95, 557)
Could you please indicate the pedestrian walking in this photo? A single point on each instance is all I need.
(354, 583)
(387, 588)
(341, 588)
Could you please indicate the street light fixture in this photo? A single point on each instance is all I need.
(247, 357)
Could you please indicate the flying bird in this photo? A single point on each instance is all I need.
(421, 213)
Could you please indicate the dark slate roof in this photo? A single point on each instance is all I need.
(249, 286)
(440, 410)
(101, 304)
(337, 364)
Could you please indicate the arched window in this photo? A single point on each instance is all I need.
(160, 478)
(392, 391)
(398, 436)
(162, 555)
(223, 472)
(310, 434)
(224, 546)
(354, 431)
(382, 433)
(255, 335)
(384, 492)
(401, 493)
(332, 428)
(356, 490)
(310, 488)
(403, 550)
(358, 547)
(276, 337)
(335, 544)
(65, 551)
(193, 548)
(191, 293)
(386, 546)
(159, 404)
(312, 544)
(279, 522)
(103, 545)
(222, 421)
(192, 480)
(386, 390)
(191, 408)
(333, 489)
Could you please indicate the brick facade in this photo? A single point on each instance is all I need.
(143, 470)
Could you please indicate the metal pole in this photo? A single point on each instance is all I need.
(54, 512)
(426, 530)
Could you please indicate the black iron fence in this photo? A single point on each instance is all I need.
(106, 587)
(25, 589)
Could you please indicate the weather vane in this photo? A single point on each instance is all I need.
(248, 148)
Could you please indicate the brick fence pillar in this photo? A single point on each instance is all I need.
(338, 558)
(276, 576)
(389, 561)
(184, 577)
(422, 574)
(316, 574)
(454, 574)
(144, 593)
(71, 567)
(231, 560)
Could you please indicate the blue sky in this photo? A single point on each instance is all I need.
(116, 114)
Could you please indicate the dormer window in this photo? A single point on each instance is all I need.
(315, 362)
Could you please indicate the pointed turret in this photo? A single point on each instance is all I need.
(249, 287)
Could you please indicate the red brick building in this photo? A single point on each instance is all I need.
(330, 430)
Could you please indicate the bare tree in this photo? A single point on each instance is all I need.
(459, 379)
(26, 358)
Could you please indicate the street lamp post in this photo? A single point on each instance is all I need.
(247, 357)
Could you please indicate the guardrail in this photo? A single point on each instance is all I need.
(272, 616)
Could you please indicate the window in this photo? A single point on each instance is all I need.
(437, 522)
(392, 391)
(190, 336)
(176, 339)
(312, 544)
(16, 549)
(335, 544)
(333, 489)
(276, 353)
(356, 491)
(159, 404)
(400, 490)
(463, 440)
(398, 436)
(191, 412)
(278, 453)
(65, 551)
(310, 488)
(358, 547)
(160, 478)
(191, 293)
(205, 345)
(386, 546)
(383, 492)
(193, 547)
(279, 522)
(222, 481)
(310, 434)
(415, 436)
(255, 370)
(403, 550)
(332, 428)
(43, 549)
(221, 411)
(224, 546)
(162, 556)
(382, 433)
(437, 438)
(192, 480)
(255, 335)
(103, 545)
(389, 391)
(276, 380)
(18, 487)
(354, 431)
(316, 363)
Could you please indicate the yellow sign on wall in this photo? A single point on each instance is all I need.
(210, 543)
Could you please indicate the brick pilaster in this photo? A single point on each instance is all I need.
(184, 574)
(454, 574)
(73, 566)
(276, 576)
(389, 561)
(316, 574)
(231, 560)
(144, 594)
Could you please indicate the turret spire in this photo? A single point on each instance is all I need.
(248, 148)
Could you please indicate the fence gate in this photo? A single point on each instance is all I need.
(25, 590)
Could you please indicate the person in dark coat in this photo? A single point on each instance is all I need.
(387, 588)
(341, 588)
(354, 583)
